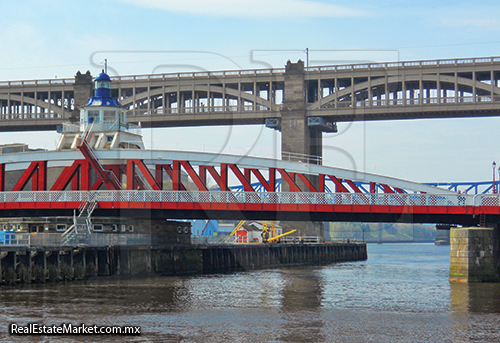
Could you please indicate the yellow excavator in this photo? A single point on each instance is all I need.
(265, 231)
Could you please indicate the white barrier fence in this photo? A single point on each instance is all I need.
(14, 239)
(198, 239)
(55, 239)
(391, 199)
(301, 240)
(114, 239)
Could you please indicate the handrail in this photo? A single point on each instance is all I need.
(305, 158)
(391, 199)
(246, 72)
(375, 65)
(56, 239)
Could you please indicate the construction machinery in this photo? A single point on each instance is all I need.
(267, 235)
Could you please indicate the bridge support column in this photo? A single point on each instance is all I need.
(83, 90)
(474, 255)
(299, 141)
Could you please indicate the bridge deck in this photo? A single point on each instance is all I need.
(376, 91)
(422, 208)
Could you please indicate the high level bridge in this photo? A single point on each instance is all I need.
(371, 91)
(300, 102)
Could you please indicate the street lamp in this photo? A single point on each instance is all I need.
(494, 164)
(498, 179)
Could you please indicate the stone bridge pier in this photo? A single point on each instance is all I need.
(83, 90)
(300, 140)
(301, 137)
(475, 254)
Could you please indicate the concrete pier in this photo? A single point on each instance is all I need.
(472, 257)
(53, 264)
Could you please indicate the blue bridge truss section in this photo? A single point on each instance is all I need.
(481, 187)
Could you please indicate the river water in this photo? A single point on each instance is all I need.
(400, 294)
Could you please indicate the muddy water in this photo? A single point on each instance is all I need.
(400, 294)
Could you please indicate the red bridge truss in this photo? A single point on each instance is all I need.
(60, 183)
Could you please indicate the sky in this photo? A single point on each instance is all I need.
(45, 40)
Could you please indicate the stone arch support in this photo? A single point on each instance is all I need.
(63, 112)
(202, 88)
(390, 80)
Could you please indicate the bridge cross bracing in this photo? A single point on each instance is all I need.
(146, 169)
(56, 183)
(371, 91)
(474, 187)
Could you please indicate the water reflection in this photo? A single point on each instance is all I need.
(302, 289)
(400, 294)
(475, 297)
(476, 312)
(302, 297)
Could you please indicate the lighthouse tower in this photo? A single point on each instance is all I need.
(105, 119)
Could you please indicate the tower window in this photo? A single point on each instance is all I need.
(102, 84)
(93, 116)
(109, 116)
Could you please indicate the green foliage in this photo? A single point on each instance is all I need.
(382, 231)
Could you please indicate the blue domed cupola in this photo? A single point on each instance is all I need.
(102, 94)
(103, 85)
(103, 110)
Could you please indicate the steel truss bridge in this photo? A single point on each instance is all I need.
(370, 91)
(58, 182)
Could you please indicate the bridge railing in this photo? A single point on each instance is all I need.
(454, 61)
(101, 126)
(37, 82)
(411, 101)
(198, 109)
(487, 200)
(246, 72)
(386, 199)
(304, 158)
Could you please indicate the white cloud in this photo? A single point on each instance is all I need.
(480, 18)
(252, 9)
(484, 24)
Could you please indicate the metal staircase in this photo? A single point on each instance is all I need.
(109, 178)
(81, 229)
